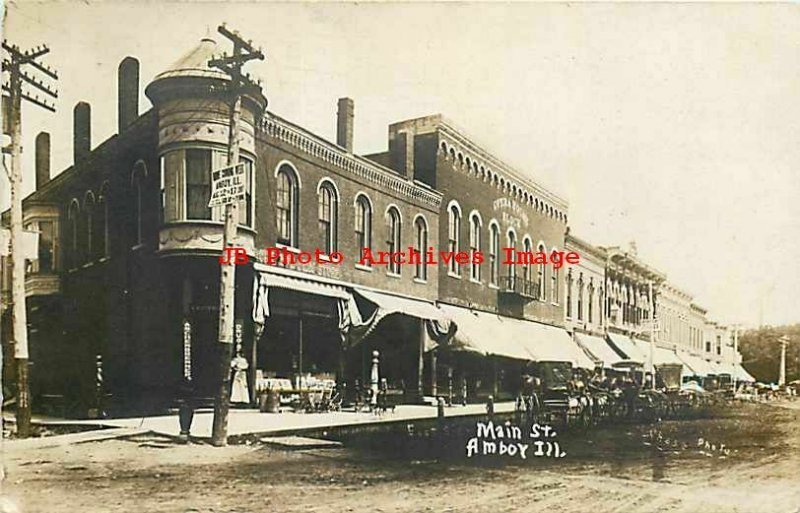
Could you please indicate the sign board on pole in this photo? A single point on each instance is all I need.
(227, 185)
(30, 244)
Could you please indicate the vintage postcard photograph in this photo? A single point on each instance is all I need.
(399, 257)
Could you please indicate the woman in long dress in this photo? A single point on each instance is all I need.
(240, 393)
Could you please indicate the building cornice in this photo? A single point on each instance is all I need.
(484, 159)
(284, 131)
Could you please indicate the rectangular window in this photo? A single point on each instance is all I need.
(46, 246)
(198, 184)
(245, 206)
(172, 185)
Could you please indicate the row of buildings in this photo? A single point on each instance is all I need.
(123, 299)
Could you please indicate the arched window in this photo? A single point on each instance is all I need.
(554, 282)
(71, 248)
(569, 294)
(328, 204)
(287, 206)
(363, 220)
(494, 250)
(511, 238)
(526, 268)
(101, 223)
(87, 228)
(600, 304)
(394, 227)
(137, 186)
(590, 303)
(580, 297)
(453, 240)
(540, 276)
(421, 229)
(474, 245)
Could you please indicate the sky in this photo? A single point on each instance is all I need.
(676, 126)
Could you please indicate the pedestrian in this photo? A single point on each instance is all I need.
(240, 393)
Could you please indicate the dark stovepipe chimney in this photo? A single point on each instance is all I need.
(42, 159)
(81, 131)
(127, 93)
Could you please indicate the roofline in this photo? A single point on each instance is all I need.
(461, 135)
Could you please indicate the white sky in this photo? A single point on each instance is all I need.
(674, 125)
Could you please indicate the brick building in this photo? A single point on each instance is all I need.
(124, 298)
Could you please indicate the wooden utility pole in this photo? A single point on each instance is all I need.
(14, 63)
(784, 340)
(232, 64)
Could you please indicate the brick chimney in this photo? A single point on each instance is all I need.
(127, 93)
(42, 159)
(81, 131)
(344, 124)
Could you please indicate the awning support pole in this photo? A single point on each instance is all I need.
(434, 388)
(420, 360)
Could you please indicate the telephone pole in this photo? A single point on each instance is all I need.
(784, 340)
(14, 62)
(243, 52)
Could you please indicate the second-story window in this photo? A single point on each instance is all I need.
(511, 239)
(46, 263)
(526, 269)
(494, 253)
(590, 303)
(328, 204)
(569, 294)
(474, 245)
(394, 227)
(287, 206)
(453, 233)
(540, 277)
(88, 226)
(580, 298)
(600, 306)
(71, 248)
(421, 227)
(554, 281)
(101, 223)
(186, 186)
(137, 188)
(363, 219)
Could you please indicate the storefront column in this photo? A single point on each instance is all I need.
(300, 351)
(494, 377)
(420, 361)
(434, 391)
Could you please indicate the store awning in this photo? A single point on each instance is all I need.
(492, 334)
(741, 374)
(696, 365)
(628, 348)
(309, 286)
(267, 278)
(390, 304)
(719, 368)
(485, 333)
(661, 355)
(554, 344)
(599, 349)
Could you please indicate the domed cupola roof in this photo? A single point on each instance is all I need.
(191, 76)
(194, 63)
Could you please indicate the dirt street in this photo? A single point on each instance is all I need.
(747, 460)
